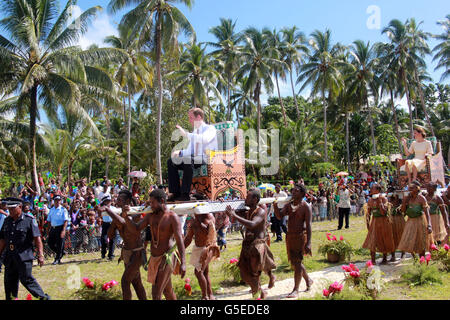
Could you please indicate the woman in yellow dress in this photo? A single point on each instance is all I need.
(420, 148)
(417, 235)
(438, 214)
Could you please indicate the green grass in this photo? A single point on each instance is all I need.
(55, 279)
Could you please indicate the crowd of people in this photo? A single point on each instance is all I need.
(74, 218)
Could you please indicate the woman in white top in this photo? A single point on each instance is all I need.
(420, 148)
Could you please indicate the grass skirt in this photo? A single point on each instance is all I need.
(380, 237)
(415, 237)
(398, 225)
(437, 224)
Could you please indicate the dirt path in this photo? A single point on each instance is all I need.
(321, 279)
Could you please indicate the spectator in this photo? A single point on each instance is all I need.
(343, 206)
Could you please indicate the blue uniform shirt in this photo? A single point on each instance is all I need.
(57, 216)
(2, 218)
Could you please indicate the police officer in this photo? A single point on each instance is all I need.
(16, 238)
(58, 217)
(107, 220)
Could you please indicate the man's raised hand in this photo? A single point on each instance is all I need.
(183, 132)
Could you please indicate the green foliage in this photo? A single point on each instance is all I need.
(442, 258)
(340, 247)
(322, 168)
(97, 292)
(231, 270)
(419, 274)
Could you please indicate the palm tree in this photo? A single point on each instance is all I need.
(408, 45)
(274, 41)
(443, 49)
(227, 51)
(133, 75)
(257, 63)
(419, 49)
(197, 71)
(242, 100)
(41, 66)
(364, 61)
(158, 23)
(294, 49)
(322, 72)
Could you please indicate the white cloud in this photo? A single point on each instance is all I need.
(101, 27)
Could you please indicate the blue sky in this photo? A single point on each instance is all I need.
(347, 19)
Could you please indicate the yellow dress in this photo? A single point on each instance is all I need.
(419, 149)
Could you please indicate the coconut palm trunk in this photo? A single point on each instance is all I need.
(396, 127)
(258, 102)
(108, 136)
(293, 94)
(325, 126)
(422, 101)
(372, 131)
(347, 141)
(129, 137)
(33, 116)
(411, 133)
(160, 97)
(281, 100)
(90, 171)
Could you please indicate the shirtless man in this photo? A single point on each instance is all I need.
(133, 250)
(202, 229)
(255, 254)
(166, 231)
(299, 221)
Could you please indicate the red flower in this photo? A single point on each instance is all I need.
(347, 268)
(112, 283)
(428, 258)
(446, 247)
(353, 267)
(433, 247)
(422, 259)
(187, 280)
(335, 287)
(354, 274)
(341, 238)
(88, 283)
(328, 236)
(334, 238)
(106, 286)
(188, 288)
(369, 264)
(234, 260)
(29, 297)
(326, 293)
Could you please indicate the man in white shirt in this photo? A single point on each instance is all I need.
(202, 138)
(344, 206)
(278, 225)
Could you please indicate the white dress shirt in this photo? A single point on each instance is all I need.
(201, 139)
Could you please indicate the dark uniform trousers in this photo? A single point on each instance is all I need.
(55, 242)
(15, 270)
(104, 240)
(174, 177)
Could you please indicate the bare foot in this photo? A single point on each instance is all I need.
(211, 297)
(292, 295)
(309, 284)
(263, 294)
(272, 281)
(205, 298)
(393, 259)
